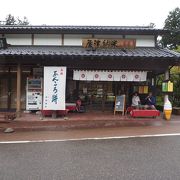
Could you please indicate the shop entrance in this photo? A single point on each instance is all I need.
(8, 88)
(100, 95)
(7, 93)
(97, 95)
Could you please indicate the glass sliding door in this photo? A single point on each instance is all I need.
(4, 93)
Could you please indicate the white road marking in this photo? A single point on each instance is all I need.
(96, 138)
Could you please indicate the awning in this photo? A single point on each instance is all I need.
(85, 75)
(73, 57)
(76, 51)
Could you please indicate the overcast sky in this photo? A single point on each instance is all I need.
(92, 12)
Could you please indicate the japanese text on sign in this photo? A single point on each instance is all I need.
(55, 90)
(108, 43)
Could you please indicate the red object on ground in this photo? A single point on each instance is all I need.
(71, 108)
(144, 113)
(50, 112)
(129, 109)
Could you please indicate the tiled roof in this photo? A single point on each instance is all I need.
(80, 29)
(75, 27)
(82, 52)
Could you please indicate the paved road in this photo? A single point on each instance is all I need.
(150, 158)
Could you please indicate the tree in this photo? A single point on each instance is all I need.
(11, 20)
(152, 25)
(23, 21)
(172, 23)
(175, 78)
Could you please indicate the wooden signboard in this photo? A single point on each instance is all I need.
(119, 104)
(109, 43)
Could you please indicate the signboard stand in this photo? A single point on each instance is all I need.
(119, 104)
(54, 88)
(54, 115)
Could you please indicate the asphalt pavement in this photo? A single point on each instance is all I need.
(150, 158)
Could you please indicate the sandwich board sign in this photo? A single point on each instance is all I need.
(54, 88)
(119, 104)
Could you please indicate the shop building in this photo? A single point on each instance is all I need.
(101, 62)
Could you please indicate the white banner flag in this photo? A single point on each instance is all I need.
(110, 76)
(124, 75)
(130, 75)
(75, 75)
(82, 76)
(90, 75)
(117, 76)
(137, 76)
(54, 88)
(97, 75)
(143, 75)
(104, 75)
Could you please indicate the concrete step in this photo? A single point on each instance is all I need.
(72, 124)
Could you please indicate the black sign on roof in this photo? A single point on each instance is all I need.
(3, 43)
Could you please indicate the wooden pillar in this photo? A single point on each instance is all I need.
(153, 85)
(9, 88)
(103, 98)
(77, 89)
(18, 98)
(62, 39)
(166, 77)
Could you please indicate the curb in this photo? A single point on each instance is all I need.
(73, 124)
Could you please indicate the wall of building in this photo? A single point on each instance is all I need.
(72, 39)
(75, 39)
(143, 40)
(19, 39)
(48, 39)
